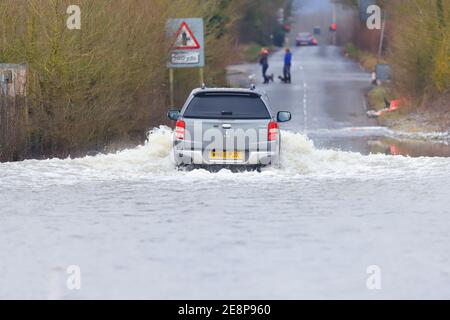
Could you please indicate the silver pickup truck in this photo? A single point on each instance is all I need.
(227, 127)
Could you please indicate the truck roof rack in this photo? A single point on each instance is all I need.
(206, 93)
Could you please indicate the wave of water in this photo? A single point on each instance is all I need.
(300, 158)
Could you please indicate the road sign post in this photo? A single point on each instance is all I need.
(171, 79)
(202, 76)
(188, 50)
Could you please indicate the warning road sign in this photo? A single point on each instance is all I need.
(188, 43)
(186, 39)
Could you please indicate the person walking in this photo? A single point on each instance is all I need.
(264, 62)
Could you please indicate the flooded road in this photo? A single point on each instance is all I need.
(138, 228)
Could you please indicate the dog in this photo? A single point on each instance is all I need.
(284, 80)
(269, 78)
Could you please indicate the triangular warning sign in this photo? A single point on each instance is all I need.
(186, 39)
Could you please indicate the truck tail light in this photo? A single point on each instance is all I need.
(180, 130)
(273, 131)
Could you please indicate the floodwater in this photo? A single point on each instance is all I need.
(381, 140)
(137, 228)
(357, 197)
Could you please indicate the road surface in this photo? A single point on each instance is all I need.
(326, 97)
(137, 228)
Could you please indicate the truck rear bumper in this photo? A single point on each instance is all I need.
(193, 157)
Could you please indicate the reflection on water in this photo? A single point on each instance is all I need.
(409, 148)
(384, 145)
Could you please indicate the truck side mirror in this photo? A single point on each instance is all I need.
(284, 116)
(173, 115)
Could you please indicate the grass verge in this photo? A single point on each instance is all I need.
(378, 96)
(367, 60)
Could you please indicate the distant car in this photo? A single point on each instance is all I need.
(317, 31)
(227, 127)
(306, 39)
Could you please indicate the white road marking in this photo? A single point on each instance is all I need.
(305, 107)
(305, 101)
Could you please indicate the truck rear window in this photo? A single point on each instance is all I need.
(222, 106)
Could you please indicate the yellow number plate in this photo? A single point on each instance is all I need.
(229, 155)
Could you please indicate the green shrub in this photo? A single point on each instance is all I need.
(377, 97)
(420, 45)
(367, 60)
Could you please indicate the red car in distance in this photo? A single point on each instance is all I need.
(306, 39)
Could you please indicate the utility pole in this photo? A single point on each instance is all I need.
(334, 22)
(383, 29)
(334, 13)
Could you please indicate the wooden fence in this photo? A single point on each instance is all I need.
(13, 112)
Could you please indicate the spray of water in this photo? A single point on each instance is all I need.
(300, 158)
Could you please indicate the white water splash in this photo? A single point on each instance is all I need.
(299, 158)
